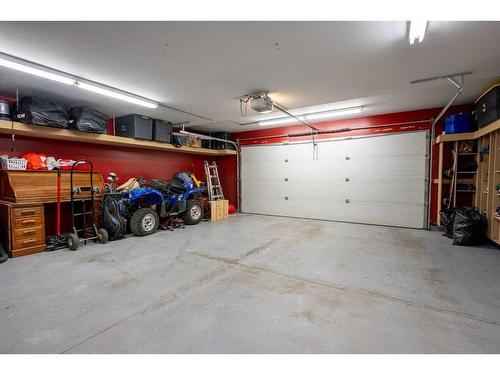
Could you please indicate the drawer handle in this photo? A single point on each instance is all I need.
(28, 221)
(29, 232)
(27, 212)
(28, 241)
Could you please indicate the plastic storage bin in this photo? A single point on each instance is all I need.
(134, 126)
(488, 106)
(162, 131)
(459, 123)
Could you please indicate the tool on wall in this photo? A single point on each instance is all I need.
(213, 182)
(453, 180)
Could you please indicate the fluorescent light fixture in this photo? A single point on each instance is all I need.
(417, 31)
(116, 94)
(335, 113)
(279, 121)
(41, 71)
(36, 71)
(313, 116)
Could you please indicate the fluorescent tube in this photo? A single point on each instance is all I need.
(279, 121)
(334, 113)
(116, 95)
(417, 31)
(36, 72)
(313, 116)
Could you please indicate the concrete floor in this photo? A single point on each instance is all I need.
(256, 284)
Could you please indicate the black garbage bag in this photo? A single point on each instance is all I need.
(448, 219)
(32, 110)
(112, 217)
(469, 227)
(88, 120)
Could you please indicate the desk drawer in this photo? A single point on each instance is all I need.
(28, 222)
(27, 211)
(20, 243)
(28, 232)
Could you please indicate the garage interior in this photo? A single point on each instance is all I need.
(255, 187)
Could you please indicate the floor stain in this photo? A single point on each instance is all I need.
(311, 317)
(439, 288)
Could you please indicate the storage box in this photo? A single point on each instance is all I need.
(162, 131)
(196, 142)
(459, 123)
(134, 126)
(219, 210)
(219, 145)
(488, 106)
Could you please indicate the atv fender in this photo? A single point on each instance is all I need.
(146, 195)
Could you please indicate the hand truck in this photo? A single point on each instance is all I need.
(83, 216)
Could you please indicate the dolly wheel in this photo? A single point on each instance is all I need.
(102, 236)
(73, 241)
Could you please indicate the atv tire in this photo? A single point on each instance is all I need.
(144, 221)
(193, 213)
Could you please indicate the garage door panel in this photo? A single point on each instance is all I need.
(372, 196)
(386, 180)
(382, 214)
(256, 171)
(395, 166)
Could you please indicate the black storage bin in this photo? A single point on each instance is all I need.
(87, 119)
(134, 126)
(208, 143)
(32, 110)
(219, 145)
(162, 131)
(488, 106)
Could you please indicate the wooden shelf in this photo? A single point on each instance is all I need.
(466, 153)
(37, 131)
(469, 136)
(465, 191)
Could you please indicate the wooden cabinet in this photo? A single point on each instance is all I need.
(25, 228)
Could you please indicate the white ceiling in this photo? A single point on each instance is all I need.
(200, 67)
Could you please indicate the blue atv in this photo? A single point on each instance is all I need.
(180, 196)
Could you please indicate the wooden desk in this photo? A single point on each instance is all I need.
(23, 195)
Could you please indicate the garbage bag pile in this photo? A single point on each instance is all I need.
(467, 227)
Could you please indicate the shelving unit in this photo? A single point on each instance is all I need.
(36, 131)
(486, 197)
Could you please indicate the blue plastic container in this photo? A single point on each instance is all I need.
(459, 123)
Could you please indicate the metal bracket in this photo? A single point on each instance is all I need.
(457, 80)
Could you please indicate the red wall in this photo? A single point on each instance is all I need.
(371, 121)
(126, 162)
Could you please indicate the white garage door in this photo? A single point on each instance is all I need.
(378, 180)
